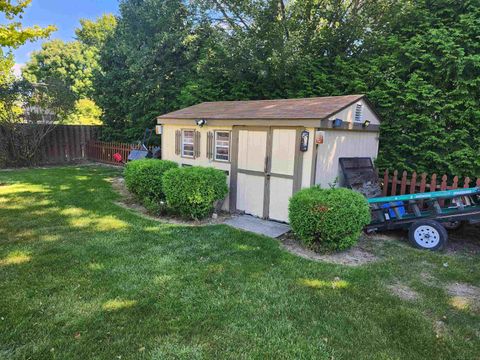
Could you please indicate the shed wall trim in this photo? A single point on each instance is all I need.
(319, 124)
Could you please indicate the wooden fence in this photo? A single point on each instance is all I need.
(102, 151)
(68, 143)
(64, 143)
(393, 184)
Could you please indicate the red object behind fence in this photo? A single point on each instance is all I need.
(118, 158)
(110, 152)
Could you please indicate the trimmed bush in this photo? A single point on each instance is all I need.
(144, 178)
(192, 191)
(330, 219)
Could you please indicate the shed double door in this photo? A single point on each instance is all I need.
(267, 170)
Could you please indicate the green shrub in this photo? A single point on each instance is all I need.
(330, 219)
(144, 178)
(192, 191)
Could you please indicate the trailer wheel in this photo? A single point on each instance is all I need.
(428, 234)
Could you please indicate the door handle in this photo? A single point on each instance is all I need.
(265, 169)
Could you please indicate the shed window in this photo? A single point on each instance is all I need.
(222, 145)
(358, 113)
(188, 142)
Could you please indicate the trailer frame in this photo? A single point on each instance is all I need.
(425, 209)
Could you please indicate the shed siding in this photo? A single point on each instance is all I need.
(168, 152)
(339, 144)
(348, 114)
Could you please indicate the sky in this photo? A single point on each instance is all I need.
(64, 14)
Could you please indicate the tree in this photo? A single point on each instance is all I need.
(95, 33)
(29, 113)
(73, 63)
(70, 62)
(425, 79)
(416, 60)
(144, 65)
(13, 34)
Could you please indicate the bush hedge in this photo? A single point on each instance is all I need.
(144, 178)
(192, 191)
(330, 219)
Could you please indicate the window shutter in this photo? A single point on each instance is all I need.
(196, 145)
(210, 145)
(178, 142)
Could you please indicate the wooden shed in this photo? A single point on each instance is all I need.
(271, 148)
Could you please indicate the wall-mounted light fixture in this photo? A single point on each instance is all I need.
(304, 140)
(201, 122)
(337, 123)
(366, 124)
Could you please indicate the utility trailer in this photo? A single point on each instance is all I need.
(425, 214)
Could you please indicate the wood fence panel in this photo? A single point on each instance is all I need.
(103, 151)
(64, 143)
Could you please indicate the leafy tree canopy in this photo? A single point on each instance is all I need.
(418, 61)
(12, 34)
(74, 64)
(95, 33)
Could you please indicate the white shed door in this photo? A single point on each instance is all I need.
(266, 171)
(252, 152)
(281, 172)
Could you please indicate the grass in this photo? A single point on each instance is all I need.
(82, 278)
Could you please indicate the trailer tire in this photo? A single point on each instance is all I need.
(428, 235)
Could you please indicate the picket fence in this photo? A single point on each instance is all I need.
(393, 185)
(103, 151)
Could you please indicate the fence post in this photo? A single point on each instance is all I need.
(413, 183)
(455, 183)
(443, 186)
(403, 185)
(385, 183)
(394, 182)
(433, 183)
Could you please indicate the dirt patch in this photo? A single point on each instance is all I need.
(129, 201)
(440, 329)
(427, 278)
(355, 256)
(464, 240)
(403, 292)
(464, 296)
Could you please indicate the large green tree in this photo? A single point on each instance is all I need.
(74, 63)
(71, 62)
(418, 61)
(425, 79)
(144, 65)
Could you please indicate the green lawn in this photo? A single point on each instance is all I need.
(83, 278)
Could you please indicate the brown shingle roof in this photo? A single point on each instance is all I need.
(308, 108)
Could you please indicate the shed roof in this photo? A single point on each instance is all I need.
(307, 108)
